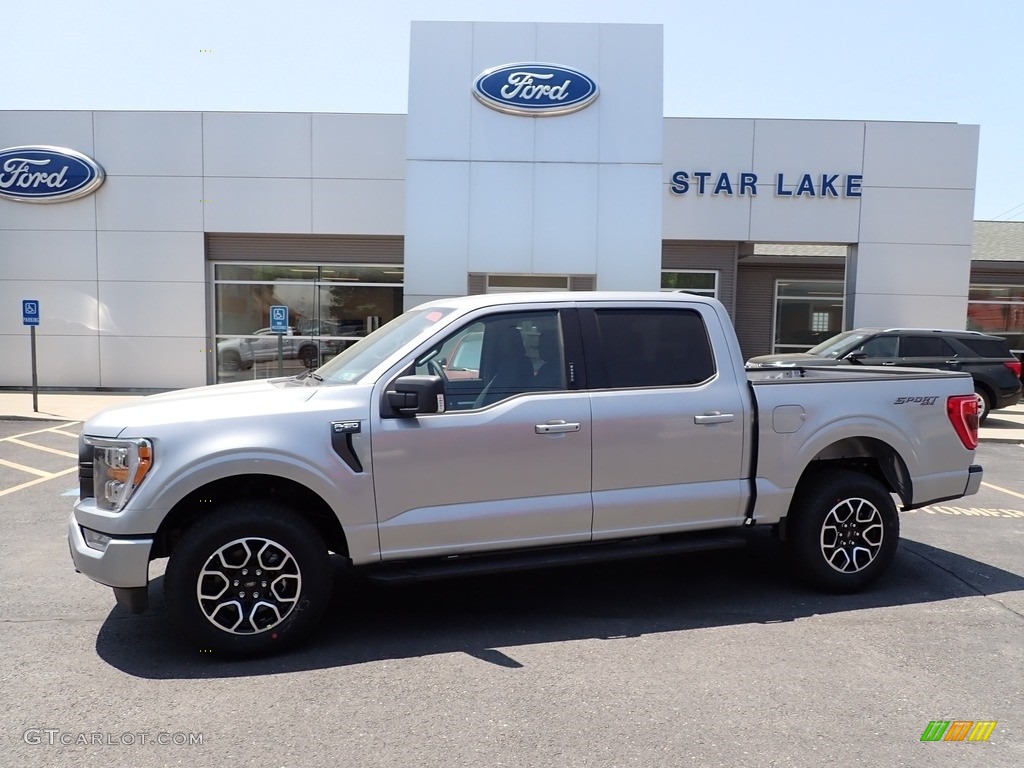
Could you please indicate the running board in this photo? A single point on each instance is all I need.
(480, 565)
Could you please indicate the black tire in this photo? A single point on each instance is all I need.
(237, 548)
(842, 530)
(231, 361)
(310, 356)
(984, 403)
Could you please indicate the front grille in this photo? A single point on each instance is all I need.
(85, 466)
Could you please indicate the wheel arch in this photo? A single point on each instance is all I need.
(205, 500)
(867, 455)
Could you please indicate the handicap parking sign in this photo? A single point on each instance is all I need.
(30, 312)
(278, 319)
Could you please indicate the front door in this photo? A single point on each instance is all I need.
(508, 464)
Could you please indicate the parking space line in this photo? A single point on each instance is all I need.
(38, 480)
(62, 432)
(1004, 490)
(40, 431)
(27, 444)
(23, 468)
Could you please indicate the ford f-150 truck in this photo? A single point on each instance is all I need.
(579, 426)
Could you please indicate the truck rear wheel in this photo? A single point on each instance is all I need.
(842, 531)
(250, 579)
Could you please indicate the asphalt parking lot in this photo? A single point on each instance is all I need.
(713, 659)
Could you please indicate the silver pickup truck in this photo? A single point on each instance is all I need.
(484, 433)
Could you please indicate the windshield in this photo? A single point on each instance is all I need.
(352, 363)
(839, 345)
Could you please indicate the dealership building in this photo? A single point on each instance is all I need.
(535, 157)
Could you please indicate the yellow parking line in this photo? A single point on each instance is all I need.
(23, 468)
(1004, 490)
(40, 431)
(38, 480)
(42, 448)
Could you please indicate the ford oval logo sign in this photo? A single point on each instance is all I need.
(536, 90)
(47, 174)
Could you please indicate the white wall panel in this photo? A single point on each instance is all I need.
(76, 214)
(436, 229)
(914, 311)
(794, 147)
(500, 217)
(73, 130)
(153, 363)
(914, 270)
(258, 205)
(704, 217)
(257, 144)
(358, 146)
(630, 104)
(153, 309)
(61, 361)
(629, 228)
(495, 135)
(150, 143)
(937, 155)
(358, 207)
(438, 124)
(573, 138)
(565, 219)
(151, 256)
(47, 255)
(157, 203)
(700, 144)
(803, 219)
(66, 307)
(941, 216)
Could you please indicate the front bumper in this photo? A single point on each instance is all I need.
(123, 564)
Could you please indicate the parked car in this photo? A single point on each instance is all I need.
(647, 437)
(996, 371)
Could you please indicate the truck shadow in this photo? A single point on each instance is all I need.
(370, 622)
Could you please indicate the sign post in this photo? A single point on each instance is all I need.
(279, 325)
(30, 317)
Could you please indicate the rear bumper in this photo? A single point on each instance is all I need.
(974, 475)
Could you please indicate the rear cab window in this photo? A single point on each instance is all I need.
(656, 347)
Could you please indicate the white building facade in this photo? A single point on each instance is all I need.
(164, 276)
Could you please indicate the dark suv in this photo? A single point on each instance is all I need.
(988, 359)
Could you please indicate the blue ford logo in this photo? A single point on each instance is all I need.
(47, 174)
(534, 89)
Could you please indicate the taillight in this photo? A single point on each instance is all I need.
(1013, 365)
(963, 415)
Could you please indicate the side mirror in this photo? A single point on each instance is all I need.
(412, 395)
(857, 354)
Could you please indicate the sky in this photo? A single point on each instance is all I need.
(912, 60)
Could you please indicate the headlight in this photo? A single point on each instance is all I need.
(119, 466)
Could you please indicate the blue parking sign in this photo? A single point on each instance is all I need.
(278, 319)
(29, 312)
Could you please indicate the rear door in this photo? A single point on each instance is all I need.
(668, 423)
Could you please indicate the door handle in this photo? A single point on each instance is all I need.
(714, 417)
(555, 427)
(890, 362)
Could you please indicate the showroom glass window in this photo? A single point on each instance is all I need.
(999, 310)
(700, 282)
(329, 308)
(806, 313)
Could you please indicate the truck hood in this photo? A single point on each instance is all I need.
(199, 404)
(790, 360)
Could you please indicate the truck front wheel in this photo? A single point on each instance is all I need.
(842, 530)
(250, 579)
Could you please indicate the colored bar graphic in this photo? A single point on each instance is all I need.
(935, 730)
(958, 730)
(982, 730)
